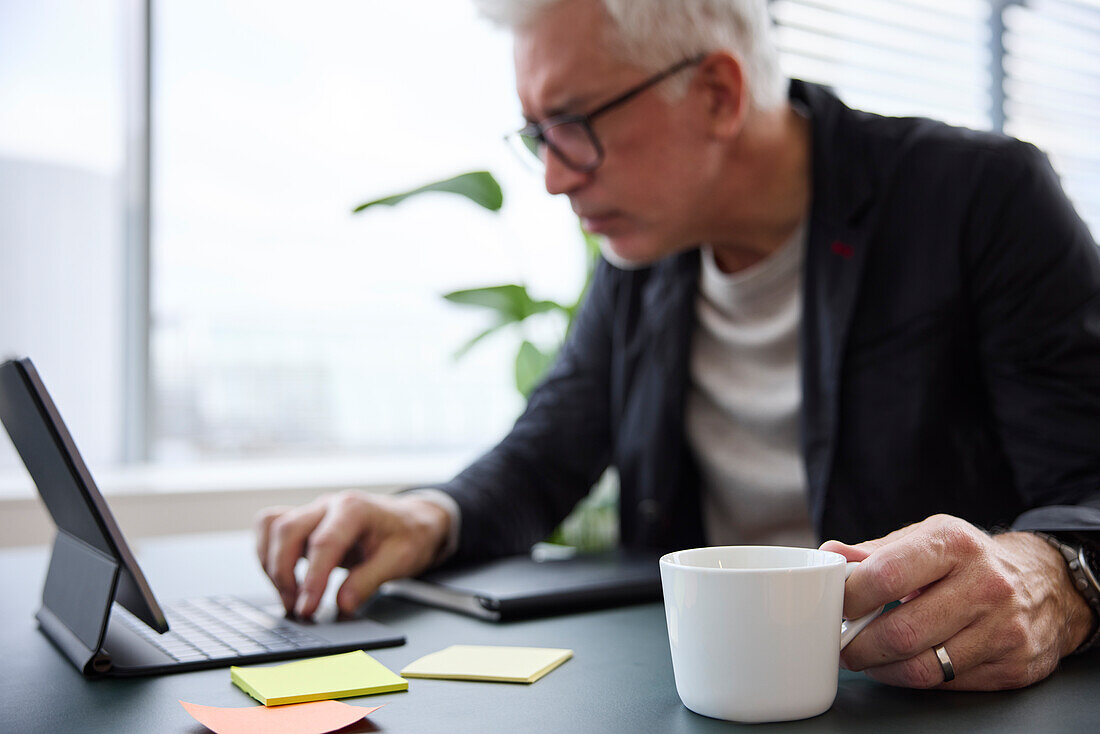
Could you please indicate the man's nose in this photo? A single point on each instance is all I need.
(560, 178)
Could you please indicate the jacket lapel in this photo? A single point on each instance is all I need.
(667, 490)
(836, 251)
(669, 302)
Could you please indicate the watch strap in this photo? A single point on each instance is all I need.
(1084, 581)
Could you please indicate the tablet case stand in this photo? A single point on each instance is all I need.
(76, 602)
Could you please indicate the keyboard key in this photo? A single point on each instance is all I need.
(220, 627)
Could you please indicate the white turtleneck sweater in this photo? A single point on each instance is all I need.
(744, 400)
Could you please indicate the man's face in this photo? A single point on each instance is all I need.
(656, 154)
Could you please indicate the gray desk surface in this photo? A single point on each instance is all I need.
(620, 679)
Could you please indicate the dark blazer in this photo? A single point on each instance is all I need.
(950, 355)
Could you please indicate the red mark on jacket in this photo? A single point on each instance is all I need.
(845, 251)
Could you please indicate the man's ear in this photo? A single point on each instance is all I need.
(721, 81)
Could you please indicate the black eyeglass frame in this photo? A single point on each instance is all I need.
(533, 135)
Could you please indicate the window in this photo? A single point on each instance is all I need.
(279, 324)
(63, 207)
(920, 57)
(1052, 91)
(1038, 80)
(283, 324)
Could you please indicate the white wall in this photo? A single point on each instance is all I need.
(61, 294)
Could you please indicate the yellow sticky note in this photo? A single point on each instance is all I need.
(318, 679)
(489, 663)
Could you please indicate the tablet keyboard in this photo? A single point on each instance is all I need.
(216, 627)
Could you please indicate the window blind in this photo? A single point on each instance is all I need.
(1032, 66)
(1052, 91)
(894, 57)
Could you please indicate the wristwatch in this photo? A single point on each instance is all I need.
(1083, 564)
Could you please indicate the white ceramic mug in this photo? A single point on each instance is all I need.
(756, 631)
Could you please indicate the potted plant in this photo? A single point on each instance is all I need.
(593, 525)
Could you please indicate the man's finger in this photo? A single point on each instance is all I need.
(856, 552)
(326, 546)
(262, 524)
(897, 569)
(966, 651)
(392, 559)
(859, 551)
(906, 631)
(1000, 675)
(286, 543)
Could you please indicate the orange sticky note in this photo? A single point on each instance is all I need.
(317, 717)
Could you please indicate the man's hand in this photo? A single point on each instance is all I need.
(376, 537)
(1003, 606)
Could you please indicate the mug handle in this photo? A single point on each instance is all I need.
(849, 628)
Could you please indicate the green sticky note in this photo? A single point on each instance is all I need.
(318, 679)
(489, 663)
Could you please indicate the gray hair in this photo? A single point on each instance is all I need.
(654, 34)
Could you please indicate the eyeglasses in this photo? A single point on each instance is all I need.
(571, 138)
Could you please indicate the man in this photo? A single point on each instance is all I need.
(892, 323)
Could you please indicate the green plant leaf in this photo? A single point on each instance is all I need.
(591, 247)
(591, 259)
(593, 525)
(461, 351)
(478, 186)
(531, 365)
(511, 302)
